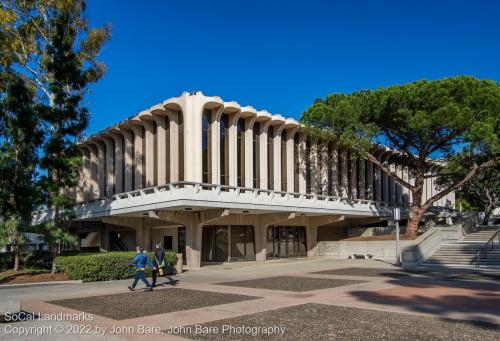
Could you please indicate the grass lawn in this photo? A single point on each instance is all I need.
(30, 276)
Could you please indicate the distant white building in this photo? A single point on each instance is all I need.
(221, 182)
(34, 242)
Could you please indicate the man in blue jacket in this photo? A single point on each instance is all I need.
(140, 262)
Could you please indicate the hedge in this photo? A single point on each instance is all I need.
(106, 266)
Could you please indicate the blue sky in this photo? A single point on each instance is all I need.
(280, 55)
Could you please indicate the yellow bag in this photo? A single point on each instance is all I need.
(160, 271)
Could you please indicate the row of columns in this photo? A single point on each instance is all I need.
(136, 154)
(125, 158)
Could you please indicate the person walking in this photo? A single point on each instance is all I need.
(158, 262)
(140, 262)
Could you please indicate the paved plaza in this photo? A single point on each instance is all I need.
(294, 299)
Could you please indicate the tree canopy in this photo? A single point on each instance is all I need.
(422, 120)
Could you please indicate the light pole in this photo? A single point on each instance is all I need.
(397, 218)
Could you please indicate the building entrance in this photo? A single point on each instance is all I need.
(225, 243)
(286, 241)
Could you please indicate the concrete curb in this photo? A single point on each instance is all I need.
(2, 286)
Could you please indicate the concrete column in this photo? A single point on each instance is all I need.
(290, 162)
(161, 146)
(147, 237)
(406, 191)
(378, 183)
(94, 172)
(313, 162)
(138, 157)
(354, 178)
(334, 163)
(260, 242)
(263, 154)
(215, 131)
(140, 234)
(344, 183)
(302, 163)
(149, 152)
(233, 146)
(311, 236)
(369, 180)
(361, 178)
(128, 137)
(399, 192)
(104, 239)
(193, 242)
(249, 152)
(118, 174)
(101, 169)
(80, 188)
(325, 167)
(392, 183)
(110, 175)
(174, 146)
(277, 158)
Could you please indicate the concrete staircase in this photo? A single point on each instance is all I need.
(463, 253)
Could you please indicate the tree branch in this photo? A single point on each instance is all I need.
(473, 171)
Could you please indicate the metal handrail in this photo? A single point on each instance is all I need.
(488, 245)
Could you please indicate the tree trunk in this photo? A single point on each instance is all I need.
(487, 214)
(17, 258)
(54, 253)
(415, 214)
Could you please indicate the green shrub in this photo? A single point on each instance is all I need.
(6, 260)
(93, 267)
(170, 258)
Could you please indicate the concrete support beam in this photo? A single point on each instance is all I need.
(249, 123)
(161, 149)
(325, 168)
(302, 163)
(149, 154)
(344, 182)
(118, 167)
(361, 178)
(263, 154)
(174, 146)
(277, 157)
(369, 181)
(233, 146)
(314, 165)
(290, 161)
(101, 169)
(128, 139)
(354, 178)
(138, 157)
(334, 164)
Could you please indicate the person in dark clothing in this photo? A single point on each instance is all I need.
(157, 262)
(140, 262)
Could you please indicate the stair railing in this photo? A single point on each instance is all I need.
(490, 244)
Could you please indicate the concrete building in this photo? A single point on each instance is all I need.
(221, 182)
